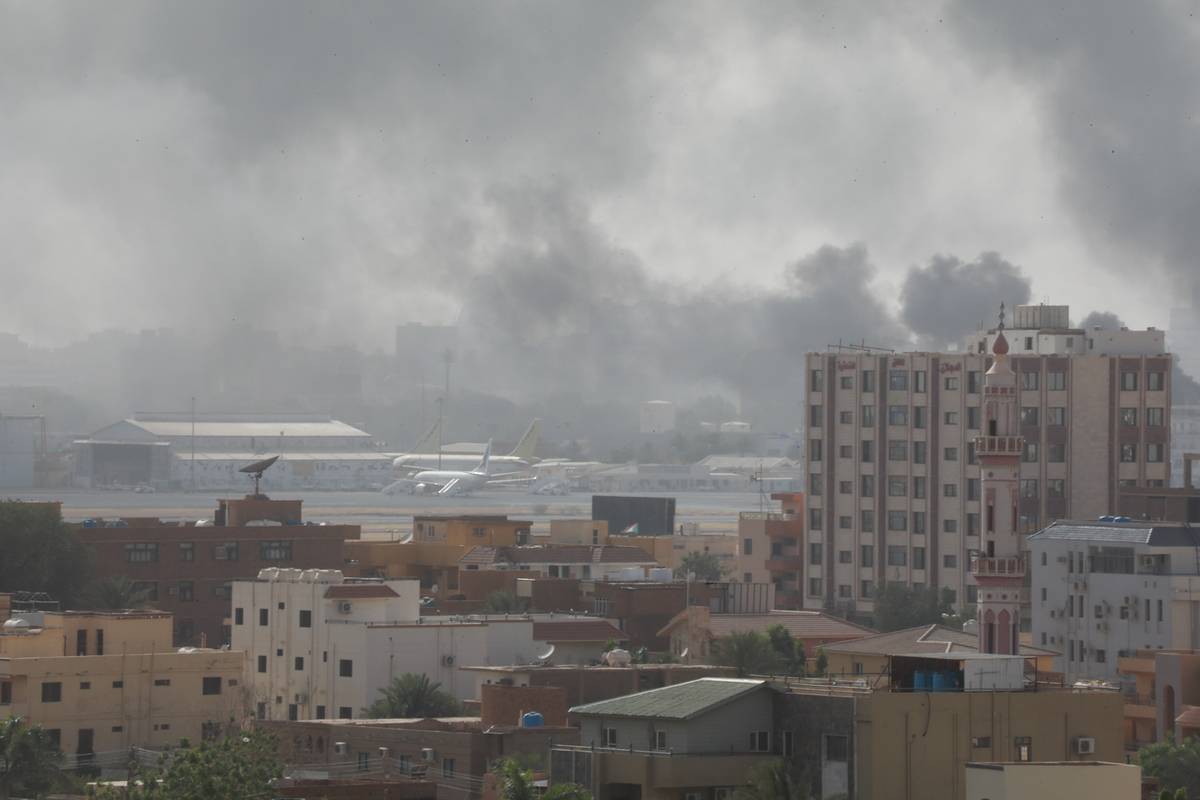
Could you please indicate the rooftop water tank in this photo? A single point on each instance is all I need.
(15, 624)
(532, 719)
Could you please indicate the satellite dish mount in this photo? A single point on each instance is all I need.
(257, 469)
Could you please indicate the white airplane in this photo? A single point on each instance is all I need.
(446, 481)
(520, 457)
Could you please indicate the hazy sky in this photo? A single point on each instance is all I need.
(332, 169)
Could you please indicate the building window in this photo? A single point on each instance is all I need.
(867, 489)
(950, 562)
(867, 520)
(845, 522)
(262, 663)
(1154, 453)
(868, 416)
(1029, 415)
(211, 685)
(1056, 487)
(345, 712)
(51, 692)
(320, 712)
(950, 383)
(298, 663)
(787, 746)
(920, 381)
(1129, 381)
(897, 450)
(814, 451)
(866, 555)
(972, 523)
(866, 589)
(846, 382)
(162, 681)
(918, 523)
(148, 590)
(305, 618)
(1128, 417)
(186, 591)
(747, 547)
(1056, 381)
(1029, 487)
(760, 741)
(141, 552)
(1056, 453)
(897, 486)
(868, 380)
(918, 558)
(226, 551)
(814, 587)
(1023, 748)
(1056, 416)
(973, 382)
(814, 484)
(845, 451)
(845, 557)
(845, 487)
(187, 551)
(950, 418)
(972, 488)
(950, 490)
(277, 550)
(814, 553)
(345, 668)
(897, 555)
(918, 484)
(846, 417)
(1155, 382)
(816, 415)
(972, 593)
(898, 415)
(867, 451)
(1129, 454)
(1028, 342)
(816, 380)
(5, 693)
(950, 454)
(897, 520)
(814, 519)
(608, 736)
(1154, 417)
(898, 380)
(949, 526)
(919, 449)
(918, 417)
(837, 748)
(660, 740)
(973, 417)
(1029, 381)
(264, 616)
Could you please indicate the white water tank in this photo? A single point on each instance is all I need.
(268, 574)
(618, 658)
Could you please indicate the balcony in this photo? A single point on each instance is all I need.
(652, 770)
(785, 563)
(1140, 706)
(993, 567)
(999, 445)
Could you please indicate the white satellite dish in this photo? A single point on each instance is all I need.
(684, 654)
(544, 657)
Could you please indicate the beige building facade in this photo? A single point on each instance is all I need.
(893, 481)
(1095, 780)
(104, 682)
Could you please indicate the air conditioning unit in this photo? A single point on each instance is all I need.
(1147, 561)
(345, 607)
(427, 754)
(1085, 745)
(447, 661)
(340, 748)
(1062, 559)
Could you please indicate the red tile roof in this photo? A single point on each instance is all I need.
(800, 624)
(351, 591)
(577, 630)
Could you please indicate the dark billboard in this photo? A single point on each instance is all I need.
(642, 516)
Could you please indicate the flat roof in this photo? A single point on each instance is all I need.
(679, 701)
(1155, 534)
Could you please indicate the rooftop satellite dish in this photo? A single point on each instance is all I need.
(544, 657)
(684, 654)
(257, 469)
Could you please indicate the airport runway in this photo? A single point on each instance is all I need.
(385, 516)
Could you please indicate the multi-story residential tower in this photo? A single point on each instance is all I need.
(894, 492)
(1000, 570)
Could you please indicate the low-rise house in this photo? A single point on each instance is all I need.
(586, 562)
(693, 630)
(576, 640)
(1162, 696)
(103, 682)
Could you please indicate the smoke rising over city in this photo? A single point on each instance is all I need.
(611, 202)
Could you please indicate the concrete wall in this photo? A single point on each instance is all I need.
(1093, 779)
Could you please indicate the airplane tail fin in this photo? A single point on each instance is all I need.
(428, 442)
(529, 442)
(487, 458)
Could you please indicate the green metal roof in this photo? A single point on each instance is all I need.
(680, 701)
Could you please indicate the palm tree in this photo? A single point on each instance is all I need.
(413, 695)
(516, 783)
(770, 780)
(29, 760)
(114, 594)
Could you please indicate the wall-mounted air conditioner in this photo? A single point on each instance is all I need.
(427, 754)
(447, 661)
(345, 608)
(340, 748)
(1085, 745)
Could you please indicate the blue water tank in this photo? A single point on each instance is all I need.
(920, 681)
(532, 719)
(939, 682)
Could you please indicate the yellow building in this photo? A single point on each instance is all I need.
(670, 550)
(1162, 696)
(431, 554)
(102, 682)
(1095, 780)
(578, 531)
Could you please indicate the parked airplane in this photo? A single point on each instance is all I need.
(520, 457)
(446, 481)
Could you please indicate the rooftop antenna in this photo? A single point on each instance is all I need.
(1001, 315)
(257, 469)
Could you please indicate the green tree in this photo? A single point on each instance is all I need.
(29, 760)
(41, 554)
(1177, 766)
(502, 601)
(771, 780)
(413, 695)
(898, 607)
(789, 653)
(822, 661)
(516, 783)
(113, 594)
(703, 566)
(748, 652)
(1167, 794)
(239, 766)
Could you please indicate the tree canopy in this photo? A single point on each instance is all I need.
(703, 566)
(771, 780)
(748, 652)
(516, 783)
(898, 607)
(789, 653)
(41, 554)
(1176, 765)
(113, 594)
(413, 695)
(502, 601)
(29, 760)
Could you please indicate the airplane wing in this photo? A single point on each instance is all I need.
(402, 486)
(451, 486)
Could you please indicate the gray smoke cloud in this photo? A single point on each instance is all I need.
(947, 299)
(1105, 320)
(1116, 84)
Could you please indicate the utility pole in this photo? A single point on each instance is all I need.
(441, 403)
(193, 438)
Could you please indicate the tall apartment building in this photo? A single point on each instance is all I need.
(893, 480)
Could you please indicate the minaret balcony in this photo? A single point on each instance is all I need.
(998, 566)
(999, 445)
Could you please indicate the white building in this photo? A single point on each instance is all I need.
(1103, 590)
(320, 646)
(1046, 331)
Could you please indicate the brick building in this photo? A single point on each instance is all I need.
(188, 568)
